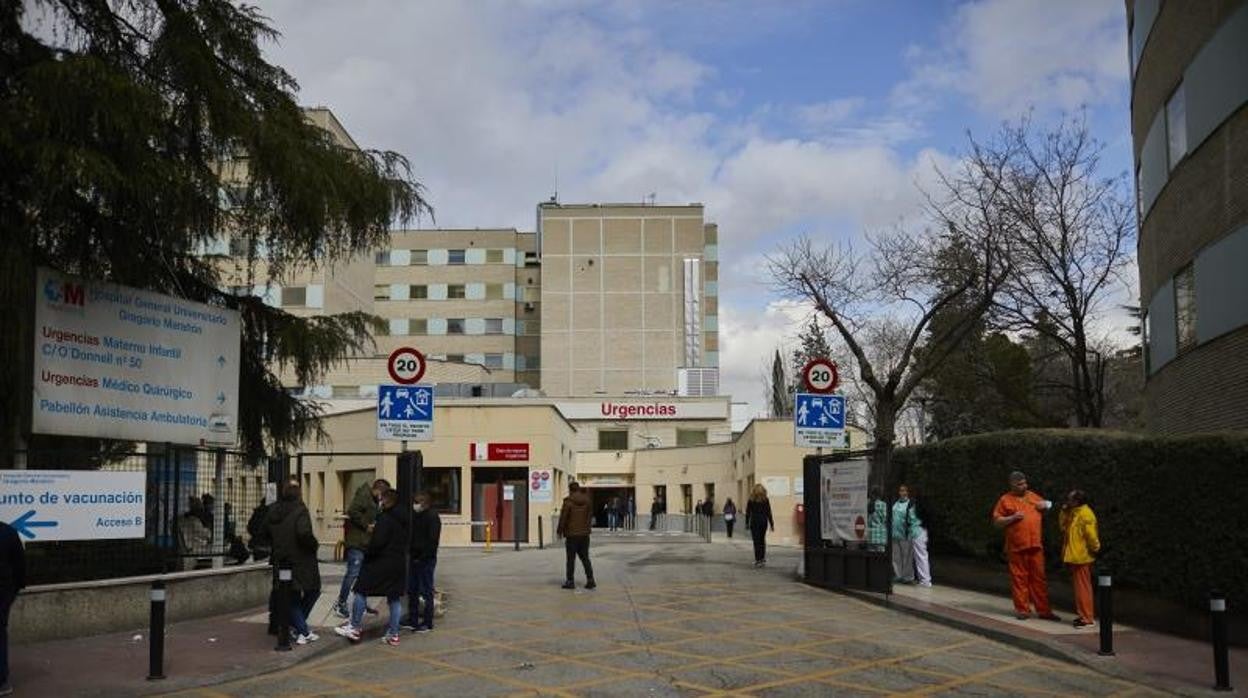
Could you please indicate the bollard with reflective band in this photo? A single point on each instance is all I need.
(1105, 613)
(1217, 624)
(283, 602)
(156, 634)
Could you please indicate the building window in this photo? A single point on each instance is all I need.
(532, 294)
(690, 437)
(454, 291)
(493, 256)
(382, 258)
(345, 391)
(1145, 339)
(454, 256)
(1176, 126)
(418, 292)
(443, 486)
(612, 439)
(294, 296)
(455, 325)
(660, 492)
(383, 331)
(419, 257)
(493, 360)
(1185, 308)
(418, 325)
(381, 292)
(455, 358)
(493, 325)
(493, 292)
(686, 498)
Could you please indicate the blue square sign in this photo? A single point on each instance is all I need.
(405, 412)
(819, 420)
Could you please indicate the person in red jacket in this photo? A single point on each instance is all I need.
(1020, 513)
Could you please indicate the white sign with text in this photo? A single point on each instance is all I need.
(51, 505)
(116, 362)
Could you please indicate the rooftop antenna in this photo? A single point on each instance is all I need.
(651, 197)
(554, 198)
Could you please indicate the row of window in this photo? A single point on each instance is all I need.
(406, 327)
(617, 439)
(415, 292)
(414, 257)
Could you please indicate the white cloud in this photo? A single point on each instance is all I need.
(750, 338)
(1011, 55)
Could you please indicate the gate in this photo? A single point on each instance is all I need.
(847, 561)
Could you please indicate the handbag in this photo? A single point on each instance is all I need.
(729, 517)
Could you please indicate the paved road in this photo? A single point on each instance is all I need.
(668, 619)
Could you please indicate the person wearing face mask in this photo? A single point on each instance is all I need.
(426, 534)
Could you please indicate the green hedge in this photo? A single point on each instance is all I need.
(1173, 511)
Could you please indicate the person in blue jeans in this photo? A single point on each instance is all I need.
(294, 544)
(12, 580)
(426, 534)
(384, 571)
(361, 517)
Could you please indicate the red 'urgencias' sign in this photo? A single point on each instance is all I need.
(490, 451)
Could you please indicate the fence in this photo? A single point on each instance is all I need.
(197, 507)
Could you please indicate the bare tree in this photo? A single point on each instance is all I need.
(1070, 239)
(883, 302)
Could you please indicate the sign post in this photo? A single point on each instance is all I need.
(405, 411)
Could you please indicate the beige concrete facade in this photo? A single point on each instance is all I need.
(629, 296)
(450, 471)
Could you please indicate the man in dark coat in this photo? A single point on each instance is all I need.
(575, 521)
(426, 535)
(12, 580)
(383, 572)
(290, 529)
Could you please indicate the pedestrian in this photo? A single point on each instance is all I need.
(877, 520)
(905, 527)
(382, 572)
(258, 540)
(758, 518)
(426, 536)
(1020, 512)
(193, 538)
(1081, 545)
(294, 544)
(613, 513)
(697, 508)
(918, 539)
(361, 516)
(631, 522)
(574, 526)
(12, 580)
(730, 515)
(656, 508)
(207, 511)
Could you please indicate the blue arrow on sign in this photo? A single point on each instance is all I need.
(221, 361)
(23, 524)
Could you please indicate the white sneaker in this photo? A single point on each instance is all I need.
(312, 637)
(302, 640)
(348, 631)
(925, 584)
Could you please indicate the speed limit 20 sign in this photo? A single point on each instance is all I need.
(406, 366)
(820, 376)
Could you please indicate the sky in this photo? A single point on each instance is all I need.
(784, 118)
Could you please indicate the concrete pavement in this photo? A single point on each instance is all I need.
(668, 619)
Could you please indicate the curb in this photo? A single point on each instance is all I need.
(299, 656)
(1046, 648)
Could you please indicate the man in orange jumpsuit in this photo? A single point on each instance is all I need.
(1020, 513)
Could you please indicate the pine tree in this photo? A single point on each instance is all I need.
(812, 343)
(125, 127)
(781, 392)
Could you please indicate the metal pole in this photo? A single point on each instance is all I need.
(156, 633)
(515, 519)
(1221, 660)
(541, 544)
(1105, 613)
(285, 578)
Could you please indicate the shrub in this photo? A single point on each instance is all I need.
(1172, 511)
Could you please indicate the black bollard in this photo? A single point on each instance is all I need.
(1105, 613)
(284, 582)
(541, 544)
(1221, 660)
(156, 634)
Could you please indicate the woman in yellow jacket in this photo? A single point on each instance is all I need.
(1079, 549)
